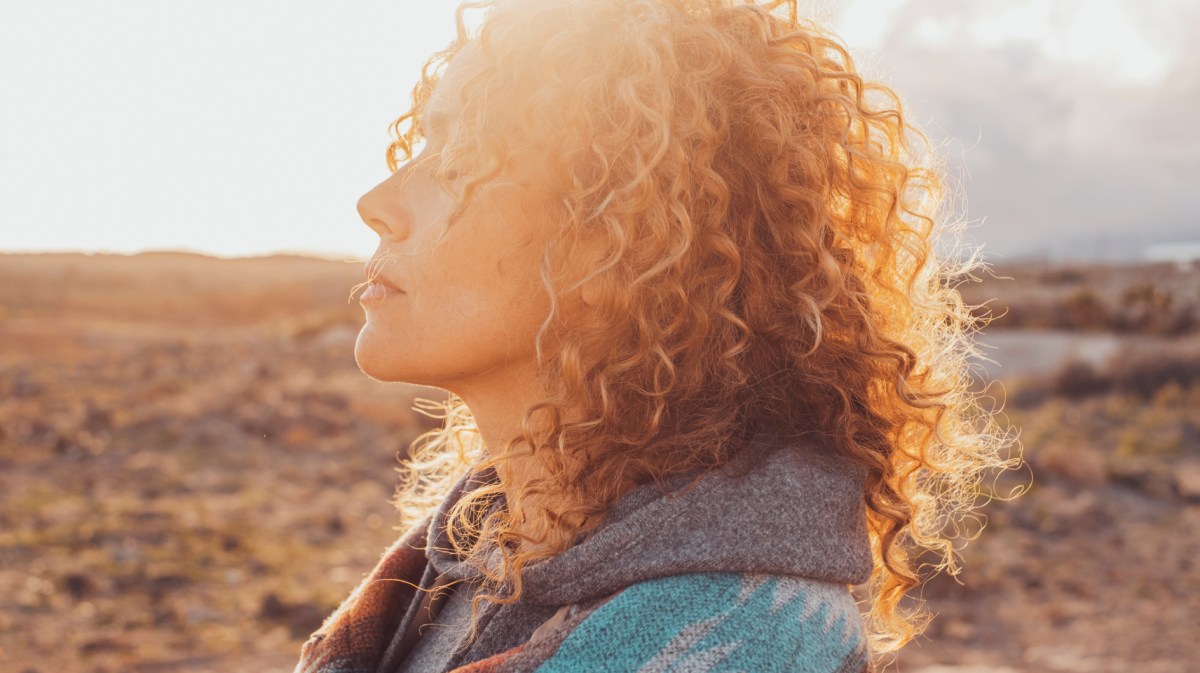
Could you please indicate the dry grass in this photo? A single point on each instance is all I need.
(1159, 299)
(193, 473)
(191, 465)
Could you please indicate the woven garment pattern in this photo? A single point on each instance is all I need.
(718, 623)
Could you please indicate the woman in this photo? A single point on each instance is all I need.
(674, 260)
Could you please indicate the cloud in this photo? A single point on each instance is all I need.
(1061, 148)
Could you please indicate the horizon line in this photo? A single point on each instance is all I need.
(310, 254)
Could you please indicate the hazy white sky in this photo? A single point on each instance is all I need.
(251, 127)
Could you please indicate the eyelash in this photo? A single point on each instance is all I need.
(449, 174)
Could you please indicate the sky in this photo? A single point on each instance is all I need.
(1067, 127)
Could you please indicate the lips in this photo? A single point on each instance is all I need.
(375, 292)
(374, 273)
(379, 280)
(378, 288)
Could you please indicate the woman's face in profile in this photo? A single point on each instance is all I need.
(451, 307)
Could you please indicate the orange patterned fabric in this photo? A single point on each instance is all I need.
(354, 637)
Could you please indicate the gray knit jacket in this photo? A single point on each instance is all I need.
(748, 570)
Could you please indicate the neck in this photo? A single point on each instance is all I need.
(498, 408)
(498, 401)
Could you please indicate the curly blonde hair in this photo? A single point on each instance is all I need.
(768, 227)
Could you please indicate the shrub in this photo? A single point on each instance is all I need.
(1083, 309)
(1077, 379)
(1145, 373)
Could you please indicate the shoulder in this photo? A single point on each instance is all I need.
(705, 622)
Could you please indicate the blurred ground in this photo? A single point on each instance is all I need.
(193, 472)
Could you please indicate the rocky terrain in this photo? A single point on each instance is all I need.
(193, 473)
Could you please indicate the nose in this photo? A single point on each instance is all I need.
(383, 208)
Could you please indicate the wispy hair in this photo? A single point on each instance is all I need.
(768, 222)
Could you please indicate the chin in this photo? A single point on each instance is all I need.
(371, 356)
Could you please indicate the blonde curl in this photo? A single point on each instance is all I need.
(768, 220)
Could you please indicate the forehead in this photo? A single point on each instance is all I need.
(445, 101)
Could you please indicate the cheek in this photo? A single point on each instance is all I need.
(496, 303)
(499, 267)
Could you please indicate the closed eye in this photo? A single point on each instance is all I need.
(429, 164)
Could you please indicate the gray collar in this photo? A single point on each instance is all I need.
(779, 507)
